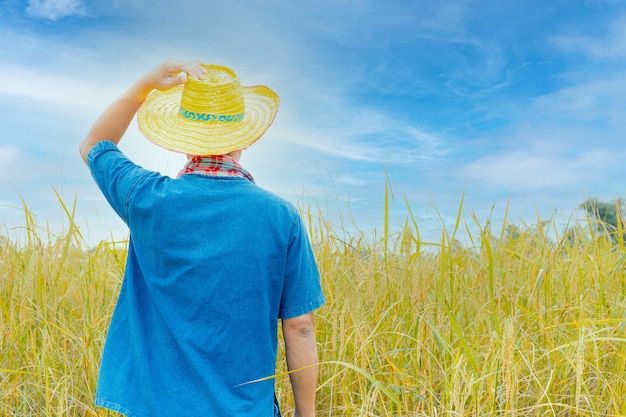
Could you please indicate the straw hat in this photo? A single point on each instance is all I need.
(210, 116)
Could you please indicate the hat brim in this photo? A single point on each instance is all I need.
(161, 123)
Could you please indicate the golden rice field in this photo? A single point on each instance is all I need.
(512, 324)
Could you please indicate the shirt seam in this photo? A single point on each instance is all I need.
(114, 407)
(217, 177)
(107, 146)
(131, 191)
(99, 148)
(304, 308)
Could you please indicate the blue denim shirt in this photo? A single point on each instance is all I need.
(213, 263)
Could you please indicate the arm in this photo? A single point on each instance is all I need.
(115, 119)
(301, 351)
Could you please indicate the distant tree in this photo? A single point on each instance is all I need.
(609, 216)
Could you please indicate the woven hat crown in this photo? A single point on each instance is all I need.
(217, 97)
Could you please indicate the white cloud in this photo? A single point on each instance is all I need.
(55, 9)
(62, 91)
(534, 169)
(8, 155)
(610, 46)
(600, 99)
(376, 141)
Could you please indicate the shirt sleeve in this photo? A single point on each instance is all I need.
(302, 291)
(116, 175)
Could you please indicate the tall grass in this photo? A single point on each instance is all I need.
(514, 324)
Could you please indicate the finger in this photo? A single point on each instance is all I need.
(194, 69)
(174, 80)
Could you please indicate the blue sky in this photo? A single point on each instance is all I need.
(516, 103)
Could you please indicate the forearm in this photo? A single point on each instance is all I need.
(115, 119)
(304, 384)
(302, 357)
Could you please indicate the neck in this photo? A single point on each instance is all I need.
(236, 155)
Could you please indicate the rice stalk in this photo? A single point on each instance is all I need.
(508, 324)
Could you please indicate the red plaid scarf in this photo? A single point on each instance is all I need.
(215, 166)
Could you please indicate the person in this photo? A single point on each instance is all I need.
(214, 261)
